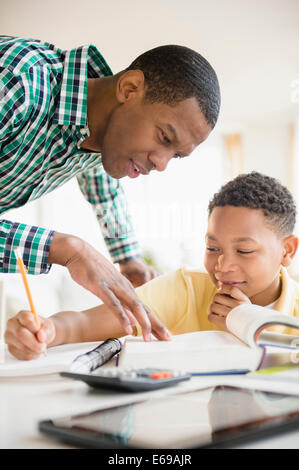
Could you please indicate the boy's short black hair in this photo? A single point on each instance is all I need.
(174, 73)
(257, 191)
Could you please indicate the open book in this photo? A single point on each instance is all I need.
(246, 348)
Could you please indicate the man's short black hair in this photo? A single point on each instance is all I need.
(175, 73)
(257, 191)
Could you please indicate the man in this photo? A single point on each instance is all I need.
(63, 114)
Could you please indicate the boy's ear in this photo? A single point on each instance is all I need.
(290, 245)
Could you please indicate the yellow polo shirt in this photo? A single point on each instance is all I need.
(181, 300)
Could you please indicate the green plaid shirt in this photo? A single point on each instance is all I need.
(43, 121)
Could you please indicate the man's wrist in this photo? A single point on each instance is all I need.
(63, 248)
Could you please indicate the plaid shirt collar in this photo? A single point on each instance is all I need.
(79, 64)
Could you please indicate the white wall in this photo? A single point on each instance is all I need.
(266, 148)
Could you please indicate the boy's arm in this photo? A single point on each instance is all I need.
(94, 324)
(165, 299)
(25, 341)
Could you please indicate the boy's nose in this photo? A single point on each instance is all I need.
(224, 263)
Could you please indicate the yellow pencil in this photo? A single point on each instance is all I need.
(25, 280)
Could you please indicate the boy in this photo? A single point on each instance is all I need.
(249, 244)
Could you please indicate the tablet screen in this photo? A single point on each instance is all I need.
(188, 420)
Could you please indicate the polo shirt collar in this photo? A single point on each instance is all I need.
(285, 302)
(79, 64)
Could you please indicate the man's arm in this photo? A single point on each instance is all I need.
(108, 199)
(40, 248)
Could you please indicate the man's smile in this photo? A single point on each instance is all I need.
(135, 169)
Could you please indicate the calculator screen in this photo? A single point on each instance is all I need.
(186, 420)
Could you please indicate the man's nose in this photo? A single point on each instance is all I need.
(160, 160)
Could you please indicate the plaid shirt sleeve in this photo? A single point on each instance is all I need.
(33, 242)
(107, 197)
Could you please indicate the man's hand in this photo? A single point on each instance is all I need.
(227, 298)
(137, 271)
(97, 274)
(24, 339)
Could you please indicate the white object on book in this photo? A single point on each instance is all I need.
(58, 359)
(218, 351)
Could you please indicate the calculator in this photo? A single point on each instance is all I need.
(130, 380)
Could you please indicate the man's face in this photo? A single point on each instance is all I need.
(241, 250)
(141, 137)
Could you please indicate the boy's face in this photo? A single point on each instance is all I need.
(243, 251)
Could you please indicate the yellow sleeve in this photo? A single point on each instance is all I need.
(166, 296)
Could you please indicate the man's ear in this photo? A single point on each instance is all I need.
(129, 85)
(290, 245)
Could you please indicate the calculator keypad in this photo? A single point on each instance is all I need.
(145, 373)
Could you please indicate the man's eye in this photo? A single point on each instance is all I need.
(165, 138)
(177, 155)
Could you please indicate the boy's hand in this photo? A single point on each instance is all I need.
(25, 341)
(227, 298)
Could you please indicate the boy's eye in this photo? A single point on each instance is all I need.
(245, 252)
(211, 249)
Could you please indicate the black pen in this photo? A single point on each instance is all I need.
(88, 362)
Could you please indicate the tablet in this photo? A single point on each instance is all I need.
(215, 417)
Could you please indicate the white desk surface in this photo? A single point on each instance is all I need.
(26, 401)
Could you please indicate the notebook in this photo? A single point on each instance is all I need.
(58, 359)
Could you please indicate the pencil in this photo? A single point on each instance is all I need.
(25, 280)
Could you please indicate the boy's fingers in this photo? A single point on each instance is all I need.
(233, 291)
(26, 319)
(226, 300)
(46, 333)
(29, 340)
(219, 309)
(217, 320)
(22, 354)
(19, 349)
(21, 337)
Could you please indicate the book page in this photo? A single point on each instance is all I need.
(198, 352)
(245, 320)
(195, 340)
